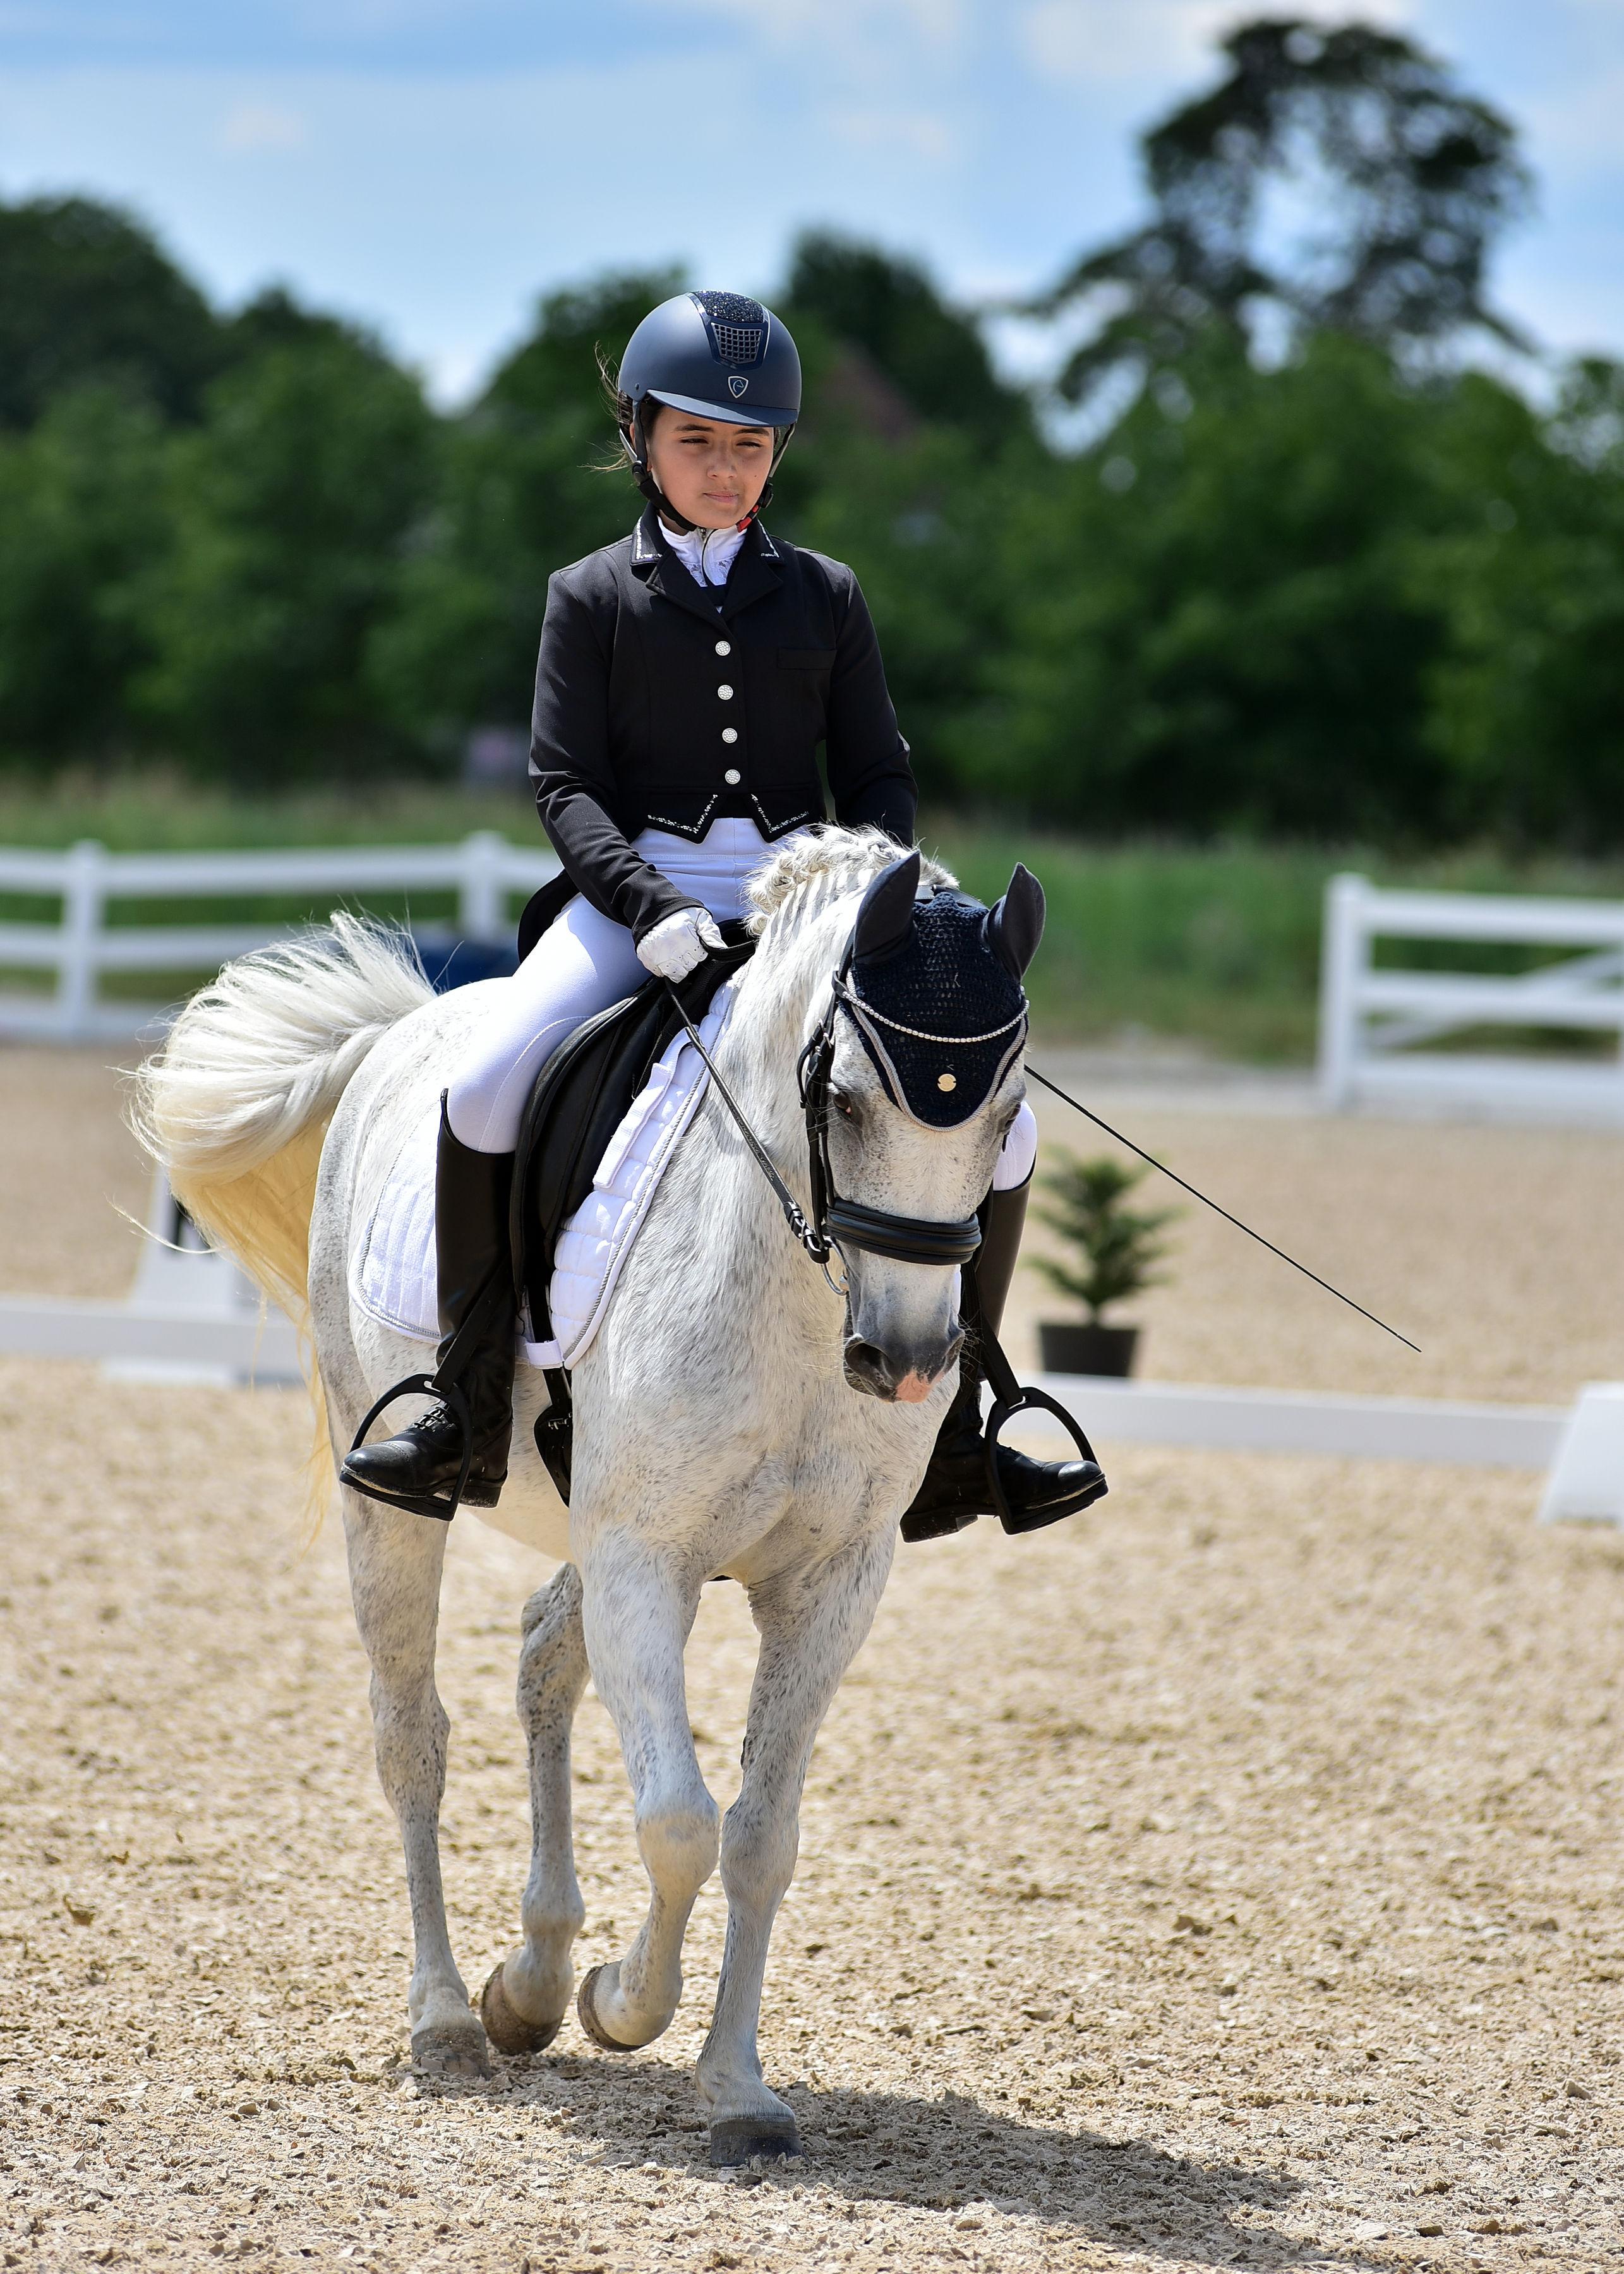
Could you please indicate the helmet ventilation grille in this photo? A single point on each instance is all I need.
(737, 326)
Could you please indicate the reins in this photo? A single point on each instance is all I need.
(837, 1223)
(815, 1241)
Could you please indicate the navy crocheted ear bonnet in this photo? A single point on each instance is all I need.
(934, 990)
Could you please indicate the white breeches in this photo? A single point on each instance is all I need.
(581, 964)
(585, 962)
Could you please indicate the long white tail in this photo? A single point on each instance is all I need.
(236, 1103)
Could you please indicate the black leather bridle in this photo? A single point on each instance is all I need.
(837, 1223)
(852, 1224)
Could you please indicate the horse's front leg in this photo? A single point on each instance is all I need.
(394, 1569)
(637, 1615)
(812, 1625)
(525, 1999)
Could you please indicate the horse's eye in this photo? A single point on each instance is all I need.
(841, 1102)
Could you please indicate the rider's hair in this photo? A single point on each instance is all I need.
(621, 408)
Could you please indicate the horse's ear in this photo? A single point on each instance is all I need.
(1016, 925)
(887, 912)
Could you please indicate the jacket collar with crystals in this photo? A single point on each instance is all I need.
(757, 570)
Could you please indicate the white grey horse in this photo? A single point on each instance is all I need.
(719, 1430)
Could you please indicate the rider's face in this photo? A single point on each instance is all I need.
(711, 471)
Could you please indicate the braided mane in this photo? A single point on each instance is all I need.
(800, 881)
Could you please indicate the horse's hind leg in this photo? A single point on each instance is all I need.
(637, 1618)
(812, 1625)
(526, 1997)
(394, 1568)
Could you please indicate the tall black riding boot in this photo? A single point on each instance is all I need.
(418, 1468)
(954, 1492)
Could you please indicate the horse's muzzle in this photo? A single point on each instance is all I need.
(902, 1377)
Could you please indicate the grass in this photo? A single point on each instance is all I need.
(1217, 946)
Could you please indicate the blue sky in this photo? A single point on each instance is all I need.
(431, 165)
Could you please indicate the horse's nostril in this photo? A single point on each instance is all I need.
(867, 1367)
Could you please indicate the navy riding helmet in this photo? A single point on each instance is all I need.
(717, 355)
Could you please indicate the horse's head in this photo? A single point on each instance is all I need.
(924, 1081)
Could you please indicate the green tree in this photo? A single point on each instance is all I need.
(887, 311)
(88, 295)
(1406, 180)
(1527, 697)
(275, 319)
(1211, 622)
(294, 505)
(909, 452)
(919, 520)
(521, 493)
(83, 517)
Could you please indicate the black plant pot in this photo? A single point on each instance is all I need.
(1069, 1347)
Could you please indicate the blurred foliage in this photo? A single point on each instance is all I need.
(83, 522)
(1249, 648)
(87, 296)
(1312, 579)
(290, 507)
(1353, 123)
(522, 491)
(887, 312)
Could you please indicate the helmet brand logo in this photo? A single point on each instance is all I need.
(736, 384)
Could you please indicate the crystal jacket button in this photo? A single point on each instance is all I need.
(726, 693)
(723, 647)
(733, 777)
(730, 733)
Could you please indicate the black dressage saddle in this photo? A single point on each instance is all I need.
(580, 1099)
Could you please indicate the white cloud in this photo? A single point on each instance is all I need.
(922, 133)
(250, 127)
(1086, 41)
(1092, 42)
(837, 26)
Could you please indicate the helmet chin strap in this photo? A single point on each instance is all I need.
(636, 442)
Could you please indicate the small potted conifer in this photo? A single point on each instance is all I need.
(1114, 1252)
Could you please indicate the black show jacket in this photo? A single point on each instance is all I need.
(660, 702)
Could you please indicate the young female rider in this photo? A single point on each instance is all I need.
(688, 675)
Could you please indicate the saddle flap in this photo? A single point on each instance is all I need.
(580, 1098)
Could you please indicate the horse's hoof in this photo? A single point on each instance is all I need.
(506, 2027)
(587, 2017)
(738, 2139)
(450, 2051)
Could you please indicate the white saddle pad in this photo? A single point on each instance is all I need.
(393, 1275)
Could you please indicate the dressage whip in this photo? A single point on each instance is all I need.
(1224, 1212)
(817, 1245)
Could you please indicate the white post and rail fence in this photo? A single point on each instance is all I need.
(90, 885)
(1380, 1027)
(191, 1312)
